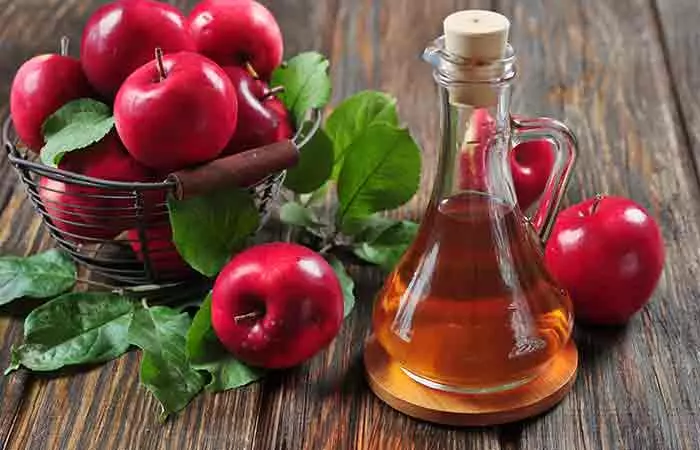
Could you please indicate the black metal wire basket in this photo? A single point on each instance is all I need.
(120, 231)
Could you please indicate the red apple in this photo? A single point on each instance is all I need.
(531, 164)
(285, 129)
(176, 112)
(236, 32)
(41, 86)
(608, 253)
(95, 212)
(165, 260)
(68, 209)
(276, 305)
(120, 37)
(259, 123)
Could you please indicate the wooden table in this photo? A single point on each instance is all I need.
(625, 75)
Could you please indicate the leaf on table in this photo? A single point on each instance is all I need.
(306, 83)
(381, 171)
(44, 275)
(76, 125)
(207, 230)
(206, 353)
(346, 283)
(160, 332)
(314, 166)
(351, 119)
(76, 328)
(386, 248)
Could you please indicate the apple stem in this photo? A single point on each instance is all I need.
(65, 43)
(272, 92)
(250, 315)
(160, 65)
(596, 202)
(253, 73)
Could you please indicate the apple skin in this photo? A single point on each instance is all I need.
(285, 129)
(96, 217)
(297, 295)
(256, 125)
(531, 164)
(122, 36)
(233, 32)
(165, 260)
(186, 119)
(67, 211)
(609, 254)
(41, 86)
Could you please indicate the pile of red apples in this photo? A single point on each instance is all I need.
(183, 91)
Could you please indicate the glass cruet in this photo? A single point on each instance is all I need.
(471, 307)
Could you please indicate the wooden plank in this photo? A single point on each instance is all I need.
(636, 386)
(601, 70)
(680, 36)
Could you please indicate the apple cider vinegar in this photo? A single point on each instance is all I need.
(471, 307)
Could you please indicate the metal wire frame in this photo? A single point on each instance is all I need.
(88, 217)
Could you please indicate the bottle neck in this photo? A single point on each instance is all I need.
(475, 143)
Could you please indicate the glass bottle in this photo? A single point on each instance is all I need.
(471, 307)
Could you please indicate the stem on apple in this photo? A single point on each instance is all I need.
(65, 45)
(250, 315)
(159, 64)
(596, 202)
(272, 92)
(253, 73)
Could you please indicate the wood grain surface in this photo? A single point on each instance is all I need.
(624, 75)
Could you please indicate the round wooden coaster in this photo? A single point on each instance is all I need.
(393, 386)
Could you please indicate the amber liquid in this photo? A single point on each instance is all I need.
(470, 306)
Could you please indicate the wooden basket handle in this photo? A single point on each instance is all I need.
(241, 170)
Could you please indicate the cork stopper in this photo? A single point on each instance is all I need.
(481, 37)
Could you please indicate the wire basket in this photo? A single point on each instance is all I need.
(121, 231)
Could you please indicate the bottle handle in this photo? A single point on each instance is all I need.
(566, 148)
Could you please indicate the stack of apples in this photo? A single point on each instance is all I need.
(183, 91)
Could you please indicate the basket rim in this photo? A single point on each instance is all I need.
(19, 159)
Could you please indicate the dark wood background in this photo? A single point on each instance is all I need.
(625, 75)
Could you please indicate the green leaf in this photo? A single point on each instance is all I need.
(207, 230)
(76, 125)
(351, 119)
(316, 197)
(306, 84)
(292, 213)
(44, 275)
(165, 370)
(381, 171)
(206, 353)
(314, 166)
(386, 247)
(76, 328)
(365, 229)
(345, 282)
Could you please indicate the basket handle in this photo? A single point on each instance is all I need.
(242, 169)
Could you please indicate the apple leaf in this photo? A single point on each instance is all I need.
(306, 84)
(386, 245)
(292, 213)
(381, 171)
(207, 230)
(350, 120)
(314, 166)
(76, 125)
(76, 328)
(160, 333)
(347, 284)
(206, 353)
(44, 275)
